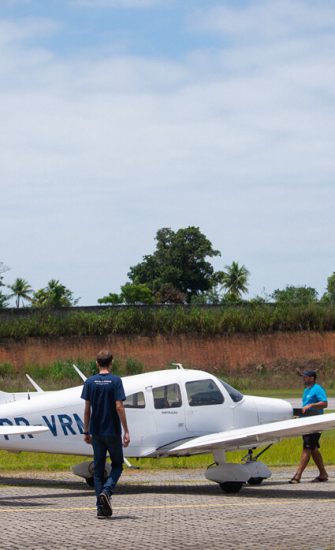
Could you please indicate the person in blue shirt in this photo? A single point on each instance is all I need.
(314, 400)
(104, 414)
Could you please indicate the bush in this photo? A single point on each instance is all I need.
(133, 366)
(205, 321)
(6, 369)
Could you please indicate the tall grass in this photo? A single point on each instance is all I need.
(170, 320)
(277, 380)
(60, 374)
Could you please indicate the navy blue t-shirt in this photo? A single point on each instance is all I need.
(102, 390)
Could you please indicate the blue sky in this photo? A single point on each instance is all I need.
(119, 117)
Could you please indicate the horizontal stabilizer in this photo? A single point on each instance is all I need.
(22, 430)
(255, 436)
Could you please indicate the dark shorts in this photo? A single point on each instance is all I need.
(311, 441)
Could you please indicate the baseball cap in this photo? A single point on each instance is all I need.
(309, 373)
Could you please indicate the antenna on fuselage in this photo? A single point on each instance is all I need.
(178, 365)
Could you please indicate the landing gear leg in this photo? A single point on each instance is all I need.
(258, 471)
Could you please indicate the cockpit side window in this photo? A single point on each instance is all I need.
(135, 401)
(203, 392)
(234, 394)
(167, 397)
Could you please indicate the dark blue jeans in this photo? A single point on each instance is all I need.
(102, 444)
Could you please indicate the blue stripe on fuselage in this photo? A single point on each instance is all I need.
(60, 424)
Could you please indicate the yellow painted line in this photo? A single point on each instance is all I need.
(164, 507)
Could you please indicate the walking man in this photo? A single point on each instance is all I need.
(103, 415)
(314, 400)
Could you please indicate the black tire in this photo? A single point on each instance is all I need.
(231, 486)
(255, 480)
(90, 481)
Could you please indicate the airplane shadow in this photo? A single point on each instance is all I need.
(40, 482)
(272, 490)
(268, 490)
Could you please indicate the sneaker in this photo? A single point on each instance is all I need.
(101, 513)
(105, 503)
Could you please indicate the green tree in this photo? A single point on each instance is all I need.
(55, 294)
(3, 297)
(178, 261)
(168, 294)
(295, 295)
(235, 282)
(329, 296)
(112, 298)
(21, 290)
(132, 293)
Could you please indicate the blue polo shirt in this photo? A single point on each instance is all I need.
(314, 394)
(102, 390)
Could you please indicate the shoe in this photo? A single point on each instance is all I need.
(105, 503)
(294, 480)
(319, 479)
(101, 513)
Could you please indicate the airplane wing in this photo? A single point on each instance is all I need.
(22, 430)
(255, 436)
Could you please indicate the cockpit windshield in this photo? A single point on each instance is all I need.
(234, 394)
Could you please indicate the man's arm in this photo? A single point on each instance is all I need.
(122, 415)
(319, 406)
(87, 417)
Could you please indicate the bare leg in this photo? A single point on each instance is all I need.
(304, 460)
(317, 457)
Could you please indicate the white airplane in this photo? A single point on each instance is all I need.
(174, 412)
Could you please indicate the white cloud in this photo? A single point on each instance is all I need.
(267, 19)
(98, 152)
(117, 3)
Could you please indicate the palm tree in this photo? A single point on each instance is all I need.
(21, 289)
(55, 294)
(235, 280)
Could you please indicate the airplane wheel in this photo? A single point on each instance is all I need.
(255, 480)
(231, 486)
(90, 481)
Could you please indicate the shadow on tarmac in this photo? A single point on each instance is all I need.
(268, 490)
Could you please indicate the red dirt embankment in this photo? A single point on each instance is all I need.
(233, 353)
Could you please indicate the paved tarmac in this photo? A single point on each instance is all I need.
(170, 509)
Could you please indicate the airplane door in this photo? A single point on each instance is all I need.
(207, 411)
(168, 413)
(141, 424)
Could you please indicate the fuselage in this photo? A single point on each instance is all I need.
(163, 408)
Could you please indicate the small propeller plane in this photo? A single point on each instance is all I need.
(173, 412)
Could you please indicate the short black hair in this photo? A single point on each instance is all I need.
(311, 373)
(104, 358)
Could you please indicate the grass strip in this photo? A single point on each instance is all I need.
(284, 453)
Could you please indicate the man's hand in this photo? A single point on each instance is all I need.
(88, 438)
(126, 439)
(306, 408)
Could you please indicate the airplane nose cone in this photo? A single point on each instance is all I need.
(263, 410)
(272, 410)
